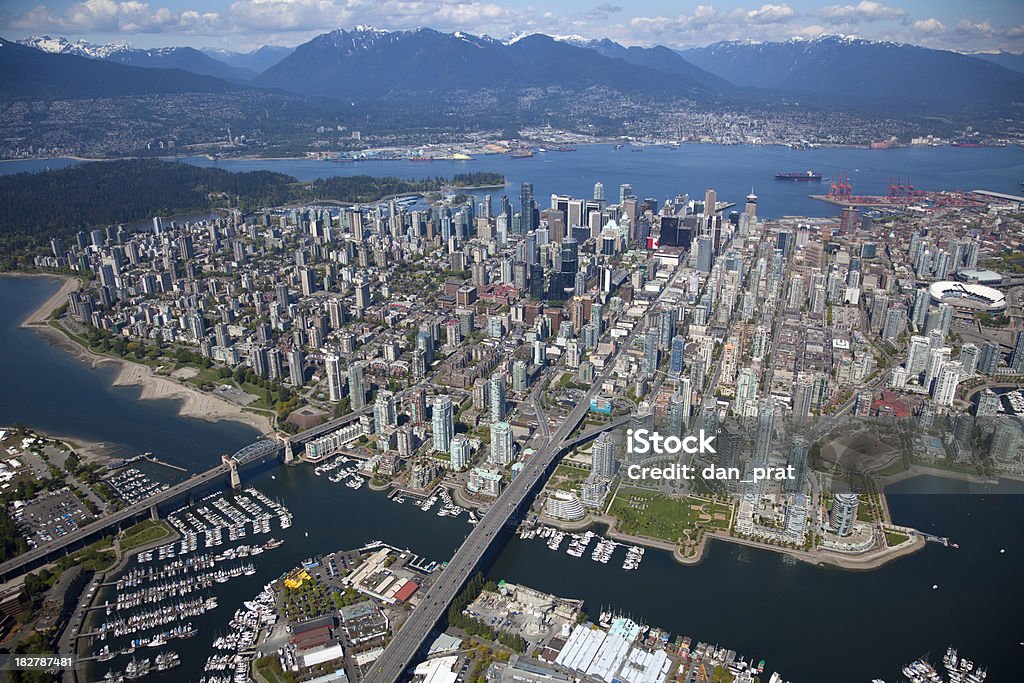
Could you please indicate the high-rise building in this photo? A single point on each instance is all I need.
(384, 414)
(332, 367)
(196, 325)
(362, 297)
(520, 379)
(892, 325)
(273, 366)
(705, 254)
(730, 445)
(460, 452)
(649, 362)
(803, 392)
(676, 361)
(988, 361)
(597, 317)
(307, 280)
(1005, 440)
(946, 381)
(745, 404)
(599, 191)
(425, 343)
(1017, 357)
(937, 357)
(258, 360)
(603, 462)
(502, 444)
(540, 353)
(917, 355)
(443, 422)
(798, 460)
(526, 221)
(989, 404)
(710, 203)
(417, 406)
(968, 358)
(356, 386)
(296, 363)
(496, 389)
(667, 319)
(625, 190)
(843, 513)
(765, 431)
(335, 313)
(751, 207)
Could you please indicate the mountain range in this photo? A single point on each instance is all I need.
(373, 65)
(185, 58)
(881, 76)
(29, 73)
(369, 64)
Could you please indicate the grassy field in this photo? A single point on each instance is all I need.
(894, 538)
(269, 668)
(568, 478)
(646, 513)
(143, 533)
(96, 557)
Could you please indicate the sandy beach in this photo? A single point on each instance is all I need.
(59, 298)
(193, 402)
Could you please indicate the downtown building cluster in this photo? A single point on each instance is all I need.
(435, 323)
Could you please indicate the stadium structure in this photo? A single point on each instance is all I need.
(967, 297)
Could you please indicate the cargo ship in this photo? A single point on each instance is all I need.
(805, 175)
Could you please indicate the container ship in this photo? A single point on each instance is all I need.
(804, 175)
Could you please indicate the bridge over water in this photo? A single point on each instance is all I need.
(259, 451)
(509, 506)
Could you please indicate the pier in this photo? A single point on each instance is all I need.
(942, 540)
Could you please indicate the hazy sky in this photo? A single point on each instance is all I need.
(244, 24)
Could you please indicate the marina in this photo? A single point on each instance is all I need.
(957, 670)
(152, 602)
(132, 485)
(580, 542)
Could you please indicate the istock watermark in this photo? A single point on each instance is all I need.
(646, 442)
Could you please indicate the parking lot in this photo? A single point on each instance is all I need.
(48, 516)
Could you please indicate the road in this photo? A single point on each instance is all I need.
(398, 655)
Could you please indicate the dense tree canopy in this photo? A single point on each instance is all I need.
(110, 192)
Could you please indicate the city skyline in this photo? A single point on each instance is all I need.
(244, 25)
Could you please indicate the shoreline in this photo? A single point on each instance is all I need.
(865, 561)
(193, 403)
(304, 157)
(41, 314)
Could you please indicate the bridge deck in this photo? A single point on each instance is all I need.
(403, 647)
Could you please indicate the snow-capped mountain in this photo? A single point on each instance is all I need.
(62, 46)
(184, 58)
